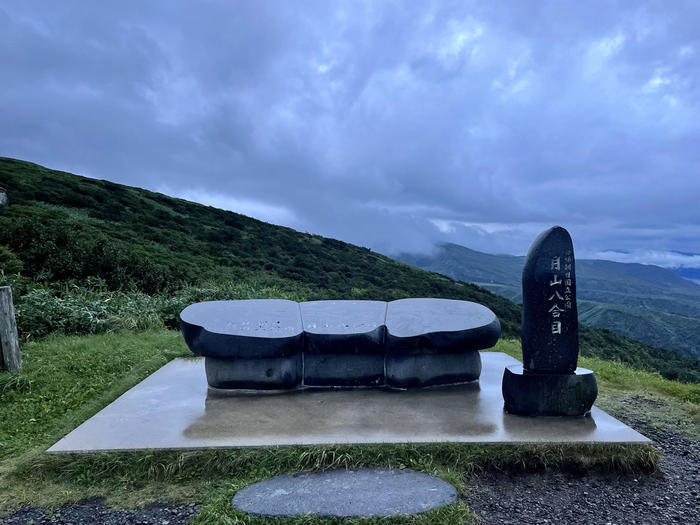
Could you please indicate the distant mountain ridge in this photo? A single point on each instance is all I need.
(61, 230)
(648, 303)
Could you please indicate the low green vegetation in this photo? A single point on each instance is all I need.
(63, 228)
(651, 326)
(89, 256)
(92, 308)
(100, 272)
(66, 379)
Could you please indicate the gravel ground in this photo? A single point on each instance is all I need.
(669, 496)
(94, 512)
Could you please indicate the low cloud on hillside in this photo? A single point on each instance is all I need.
(389, 125)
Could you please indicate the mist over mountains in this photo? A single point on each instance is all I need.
(692, 274)
(654, 305)
(88, 256)
(684, 263)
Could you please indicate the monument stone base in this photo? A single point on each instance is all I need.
(529, 393)
(343, 370)
(419, 371)
(271, 373)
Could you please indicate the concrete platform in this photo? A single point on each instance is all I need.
(173, 409)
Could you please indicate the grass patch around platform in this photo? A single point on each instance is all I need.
(67, 379)
(618, 376)
(135, 479)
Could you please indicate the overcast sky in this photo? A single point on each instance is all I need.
(390, 125)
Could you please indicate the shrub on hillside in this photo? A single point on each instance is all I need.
(76, 310)
(91, 308)
(9, 262)
(56, 248)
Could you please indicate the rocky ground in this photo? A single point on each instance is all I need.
(671, 496)
(94, 512)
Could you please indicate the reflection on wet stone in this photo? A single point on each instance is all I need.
(581, 427)
(348, 415)
(175, 409)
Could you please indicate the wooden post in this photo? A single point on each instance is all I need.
(9, 342)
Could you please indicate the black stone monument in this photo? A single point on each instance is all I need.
(275, 344)
(344, 342)
(436, 341)
(549, 383)
(253, 344)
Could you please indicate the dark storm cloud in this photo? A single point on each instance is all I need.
(387, 124)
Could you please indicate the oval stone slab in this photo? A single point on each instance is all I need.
(346, 493)
(423, 325)
(248, 329)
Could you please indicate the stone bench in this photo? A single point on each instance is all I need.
(276, 344)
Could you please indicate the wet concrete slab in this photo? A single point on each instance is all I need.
(173, 409)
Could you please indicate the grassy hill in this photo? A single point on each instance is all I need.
(645, 302)
(89, 256)
(63, 227)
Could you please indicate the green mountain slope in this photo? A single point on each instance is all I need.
(63, 228)
(645, 302)
(651, 326)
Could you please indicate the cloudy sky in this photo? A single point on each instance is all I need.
(391, 125)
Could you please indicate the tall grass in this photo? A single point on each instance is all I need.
(90, 308)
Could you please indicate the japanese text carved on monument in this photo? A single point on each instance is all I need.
(550, 323)
(561, 288)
